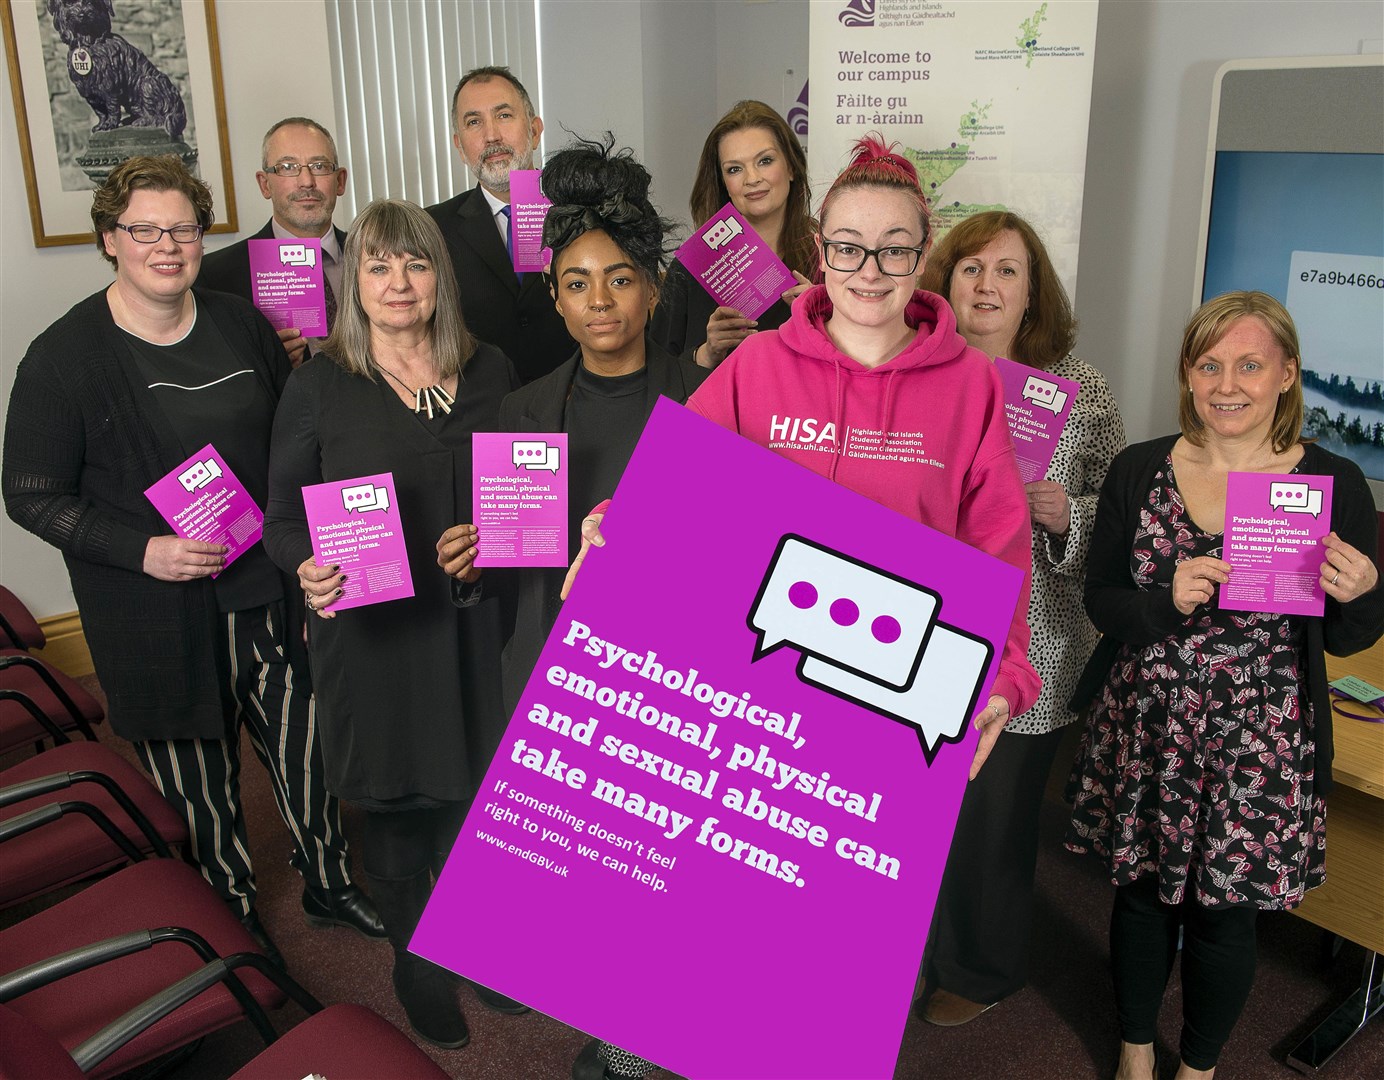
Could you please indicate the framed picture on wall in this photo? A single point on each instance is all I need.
(98, 81)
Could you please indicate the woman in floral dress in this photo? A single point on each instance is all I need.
(1202, 776)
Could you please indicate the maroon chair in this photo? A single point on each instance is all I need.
(28, 684)
(58, 696)
(341, 1041)
(338, 1042)
(84, 789)
(18, 627)
(77, 966)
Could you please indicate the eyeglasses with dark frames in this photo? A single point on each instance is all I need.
(293, 168)
(152, 234)
(895, 260)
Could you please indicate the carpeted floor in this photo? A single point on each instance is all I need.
(1062, 1025)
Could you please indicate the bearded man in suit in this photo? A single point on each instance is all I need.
(496, 130)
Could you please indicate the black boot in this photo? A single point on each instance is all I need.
(427, 992)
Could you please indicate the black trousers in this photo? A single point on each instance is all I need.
(201, 777)
(1218, 958)
(978, 946)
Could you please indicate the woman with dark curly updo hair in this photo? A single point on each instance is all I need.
(608, 252)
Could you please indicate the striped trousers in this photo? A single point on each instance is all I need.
(201, 777)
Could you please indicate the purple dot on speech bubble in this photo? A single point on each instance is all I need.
(886, 629)
(802, 595)
(844, 612)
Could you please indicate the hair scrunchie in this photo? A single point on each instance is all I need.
(564, 224)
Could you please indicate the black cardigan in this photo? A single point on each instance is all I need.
(83, 439)
(1126, 614)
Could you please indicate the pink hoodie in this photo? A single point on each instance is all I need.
(924, 434)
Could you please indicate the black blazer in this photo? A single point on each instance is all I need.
(541, 406)
(228, 270)
(520, 319)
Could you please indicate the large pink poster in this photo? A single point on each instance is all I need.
(714, 831)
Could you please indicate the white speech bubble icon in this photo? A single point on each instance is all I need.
(1295, 497)
(535, 455)
(1288, 495)
(853, 616)
(297, 255)
(199, 474)
(722, 233)
(1045, 394)
(944, 693)
(363, 498)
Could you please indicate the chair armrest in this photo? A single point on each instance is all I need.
(34, 787)
(118, 1032)
(45, 815)
(53, 731)
(64, 698)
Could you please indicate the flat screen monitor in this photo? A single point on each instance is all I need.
(1294, 206)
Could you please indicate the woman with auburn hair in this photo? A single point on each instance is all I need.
(995, 272)
(752, 160)
(1203, 772)
(408, 691)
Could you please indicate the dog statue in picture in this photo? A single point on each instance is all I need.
(119, 82)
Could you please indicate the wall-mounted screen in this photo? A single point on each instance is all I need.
(1295, 207)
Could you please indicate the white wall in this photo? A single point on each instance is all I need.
(593, 71)
(679, 98)
(37, 285)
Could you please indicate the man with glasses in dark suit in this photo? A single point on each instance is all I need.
(302, 178)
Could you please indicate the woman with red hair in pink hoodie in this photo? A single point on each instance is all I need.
(868, 353)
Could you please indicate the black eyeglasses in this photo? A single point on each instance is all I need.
(293, 168)
(895, 261)
(152, 234)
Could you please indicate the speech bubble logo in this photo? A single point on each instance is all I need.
(1045, 394)
(944, 694)
(199, 474)
(535, 455)
(362, 498)
(872, 638)
(297, 255)
(722, 233)
(854, 616)
(1295, 497)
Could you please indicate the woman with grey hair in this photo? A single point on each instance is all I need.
(408, 690)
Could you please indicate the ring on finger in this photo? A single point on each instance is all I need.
(1336, 578)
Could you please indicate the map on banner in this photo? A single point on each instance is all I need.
(722, 748)
(990, 102)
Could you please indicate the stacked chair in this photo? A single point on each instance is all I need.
(36, 700)
(147, 959)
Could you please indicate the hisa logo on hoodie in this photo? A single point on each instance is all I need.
(801, 432)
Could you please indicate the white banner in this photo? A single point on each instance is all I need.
(989, 100)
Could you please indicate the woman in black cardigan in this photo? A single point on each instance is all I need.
(109, 399)
(1202, 777)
